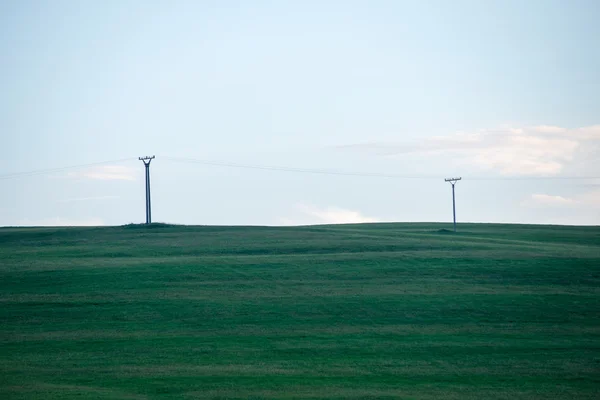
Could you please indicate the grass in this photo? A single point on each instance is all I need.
(377, 311)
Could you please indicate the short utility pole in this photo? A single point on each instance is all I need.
(453, 182)
(147, 161)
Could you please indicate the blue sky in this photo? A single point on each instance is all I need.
(501, 93)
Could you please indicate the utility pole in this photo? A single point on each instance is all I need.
(147, 160)
(453, 182)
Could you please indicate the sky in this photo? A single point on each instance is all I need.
(394, 96)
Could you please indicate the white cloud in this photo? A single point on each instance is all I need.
(59, 221)
(588, 132)
(106, 173)
(310, 215)
(591, 198)
(552, 200)
(523, 154)
(549, 129)
(535, 151)
(587, 199)
(514, 151)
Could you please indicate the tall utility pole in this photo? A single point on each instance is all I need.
(453, 182)
(147, 161)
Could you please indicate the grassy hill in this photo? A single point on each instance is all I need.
(354, 311)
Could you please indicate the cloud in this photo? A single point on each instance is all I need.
(88, 199)
(310, 215)
(587, 199)
(106, 173)
(549, 129)
(59, 221)
(590, 132)
(591, 198)
(522, 151)
(552, 200)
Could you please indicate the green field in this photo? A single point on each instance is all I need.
(347, 312)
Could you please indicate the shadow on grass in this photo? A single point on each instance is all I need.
(154, 225)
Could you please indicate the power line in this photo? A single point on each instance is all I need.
(364, 174)
(531, 178)
(59, 169)
(297, 170)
